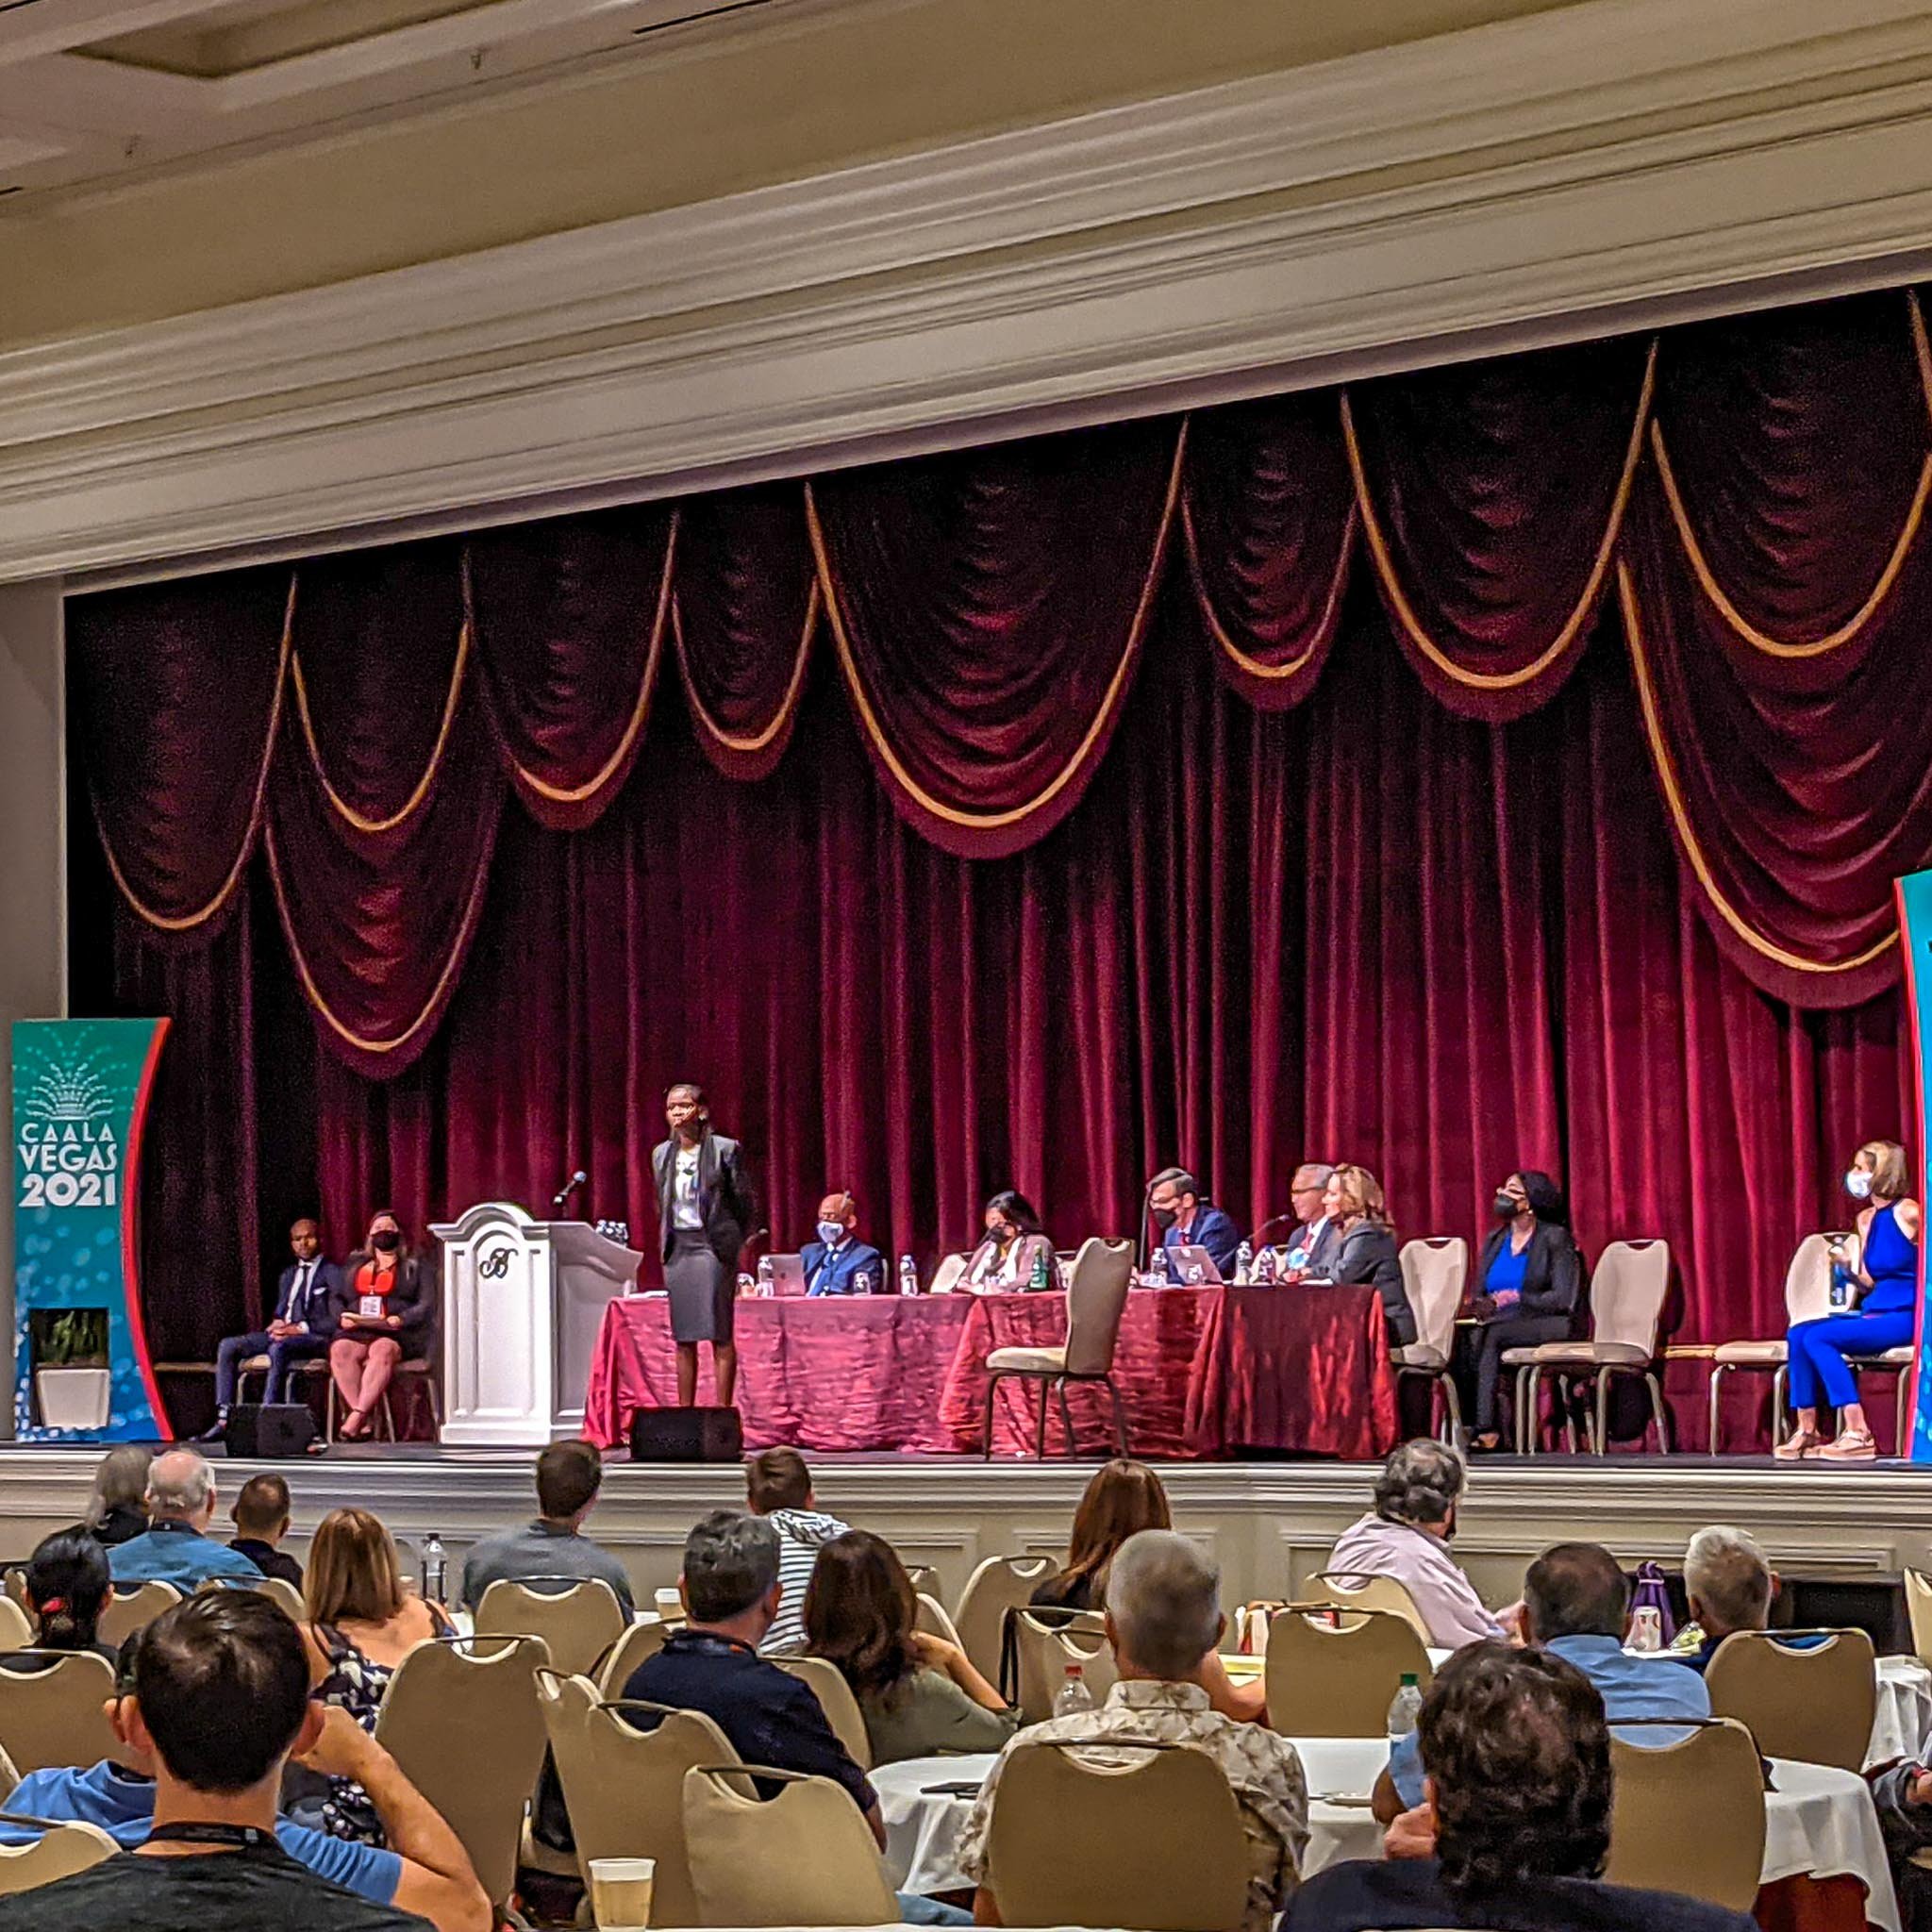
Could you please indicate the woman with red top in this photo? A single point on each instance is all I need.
(386, 1311)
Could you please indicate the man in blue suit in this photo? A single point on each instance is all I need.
(1187, 1219)
(303, 1325)
(839, 1262)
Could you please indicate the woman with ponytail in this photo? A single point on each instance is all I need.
(67, 1589)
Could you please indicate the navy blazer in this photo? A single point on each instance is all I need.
(326, 1291)
(851, 1257)
(1214, 1230)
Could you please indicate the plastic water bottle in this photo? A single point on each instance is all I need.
(747, 1286)
(861, 1282)
(1266, 1267)
(435, 1572)
(1157, 1267)
(1244, 1264)
(1038, 1282)
(909, 1275)
(1075, 1695)
(765, 1274)
(1406, 1707)
(1841, 1287)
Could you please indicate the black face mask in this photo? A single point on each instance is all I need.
(386, 1242)
(1164, 1218)
(1508, 1208)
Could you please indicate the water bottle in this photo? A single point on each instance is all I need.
(1157, 1267)
(747, 1286)
(909, 1275)
(1037, 1285)
(1841, 1286)
(434, 1573)
(861, 1281)
(1244, 1264)
(1406, 1707)
(1075, 1695)
(765, 1274)
(1267, 1266)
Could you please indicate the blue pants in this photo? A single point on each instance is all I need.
(1820, 1375)
(236, 1349)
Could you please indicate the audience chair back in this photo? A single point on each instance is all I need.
(284, 1594)
(804, 1857)
(59, 1852)
(835, 1697)
(1919, 1608)
(637, 1645)
(1096, 1299)
(1815, 1705)
(1148, 1835)
(461, 1719)
(579, 1620)
(16, 1585)
(1352, 1593)
(1000, 1584)
(1626, 1296)
(930, 1617)
(1808, 1281)
(1046, 1648)
(1434, 1273)
(1689, 1816)
(16, 1626)
(924, 1579)
(54, 1717)
(1337, 1679)
(124, 1615)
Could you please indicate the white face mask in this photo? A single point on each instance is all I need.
(830, 1232)
(1859, 1183)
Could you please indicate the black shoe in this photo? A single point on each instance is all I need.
(219, 1433)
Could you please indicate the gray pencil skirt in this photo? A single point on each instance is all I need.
(703, 1290)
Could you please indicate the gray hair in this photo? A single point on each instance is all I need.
(120, 1483)
(1318, 1174)
(1729, 1575)
(730, 1563)
(1163, 1595)
(179, 1485)
(1420, 1483)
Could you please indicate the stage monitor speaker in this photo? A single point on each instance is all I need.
(685, 1435)
(266, 1430)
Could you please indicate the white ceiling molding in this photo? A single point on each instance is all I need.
(1214, 244)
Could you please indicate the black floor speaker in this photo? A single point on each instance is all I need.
(268, 1429)
(685, 1435)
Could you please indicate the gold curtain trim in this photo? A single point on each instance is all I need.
(1385, 562)
(1331, 605)
(758, 741)
(1674, 798)
(458, 950)
(992, 821)
(188, 922)
(576, 794)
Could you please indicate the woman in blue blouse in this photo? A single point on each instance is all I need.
(1883, 1266)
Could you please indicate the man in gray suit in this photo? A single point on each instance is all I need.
(706, 1213)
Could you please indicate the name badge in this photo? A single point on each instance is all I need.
(370, 1305)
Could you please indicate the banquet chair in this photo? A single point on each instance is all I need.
(1347, 1590)
(924, 1579)
(284, 1594)
(1434, 1273)
(998, 1585)
(16, 1626)
(1815, 1705)
(637, 1645)
(425, 1371)
(1337, 1679)
(59, 1852)
(461, 1719)
(124, 1615)
(579, 1620)
(1626, 1303)
(16, 1585)
(1043, 1652)
(57, 1717)
(1150, 1836)
(828, 1685)
(1096, 1299)
(1807, 1298)
(929, 1616)
(1919, 1609)
(1687, 1816)
(804, 1857)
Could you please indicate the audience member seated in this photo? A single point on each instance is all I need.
(1903, 1794)
(1367, 1255)
(308, 1298)
(1015, 1240)
(1187, 1219)
(67, 1589)
(552, 1544)
(1309, 1249)
(1576, 1605)
(777, 1486)
(385, 1312)
(1528, 1287)
(117, 1510)
(215, 1700)
(919, 1694)
(175, 1547)
(1407, 1536)
(839, 1262)
(1730, 1584)
(262, 1516)
(1122, 1499)
(1164, 1623)
(363, 1621)
(1517, 1803)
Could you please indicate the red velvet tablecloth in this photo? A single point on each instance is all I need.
(1204, 1373)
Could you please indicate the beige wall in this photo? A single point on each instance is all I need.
(669, 128)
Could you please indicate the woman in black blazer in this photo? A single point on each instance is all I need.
(1367, 1253)
(705, 1212)
(1528, 1287)
(383, 1312)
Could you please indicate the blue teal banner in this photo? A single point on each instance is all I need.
(82, 1372)
(1915, 931)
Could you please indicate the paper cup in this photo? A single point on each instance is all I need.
(621, 1894)
(669, 1605)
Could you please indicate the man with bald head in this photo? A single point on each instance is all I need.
(302, 1326)
(176, 1547)
(839, 1262)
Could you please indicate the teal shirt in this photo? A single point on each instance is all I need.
(178, 1553)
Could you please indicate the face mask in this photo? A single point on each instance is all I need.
(1001, 1234)
(1506, 1207)
(1164, 1218)
(386, 1242)
(831, 1232)
(1859, 1183)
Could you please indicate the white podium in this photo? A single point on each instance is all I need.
(522, 1304)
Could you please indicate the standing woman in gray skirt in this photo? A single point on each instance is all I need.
(704, 1214)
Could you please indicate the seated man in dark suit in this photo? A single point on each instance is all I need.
(1188, 1219)
(302, 1326)
(1517, 1756)
(839, 1262)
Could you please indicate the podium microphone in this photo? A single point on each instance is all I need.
(1274, 1221)
(568, 1187)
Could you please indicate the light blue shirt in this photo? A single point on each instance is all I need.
(178, 1553)
(1630, 1687)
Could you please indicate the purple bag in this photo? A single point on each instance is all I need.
(1654, 1593)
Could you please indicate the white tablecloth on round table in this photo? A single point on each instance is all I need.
(923, 1829)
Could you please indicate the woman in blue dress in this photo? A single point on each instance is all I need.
(1884, 1267)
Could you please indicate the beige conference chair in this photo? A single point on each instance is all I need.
(136, 1610)
(461, 1719)
(56, 1717)
(930, 1615)
(803, 1857)
(1816, 1704)
(1689, 1816)
(1348, 1590)
(1337, 1679)
(283, 1594)
(16, 1627)
(1919, 1608)
(998, 1585)
(1103, 1273)
(1154, 1840)
(1434, 1273)
(637, 1645)
(579, 1617)
(835, 1698)
(59, 1852)
(1807, 1298)
(1047, 1649)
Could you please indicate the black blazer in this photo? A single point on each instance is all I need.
(727, 1205)
(1367, 1255)
(414, 1299)
(324, 1297)
(1552, 1269)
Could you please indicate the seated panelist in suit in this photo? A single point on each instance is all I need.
(385, 1312)
(301, 1328)
(1313, 1244)
(1187, 1219)
(839, 1262)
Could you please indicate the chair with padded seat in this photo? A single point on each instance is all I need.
(425, 1371)
(828, 1685)
(1807, 1298)
(1045, 1649)
(57, 1717)
(1815, 1704)
(61, 1851)
(1435, 1271)
(1688, 1815)
(580, 1619)
(1348, 1589)
(998, 1585)
(1334, 1674)
(637, 1645)
(930, 1617)
(1919, 1609)
(134, 1611)
(16, 1627)
(1103, 1273)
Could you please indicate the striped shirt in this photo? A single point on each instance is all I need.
(802, 1533)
